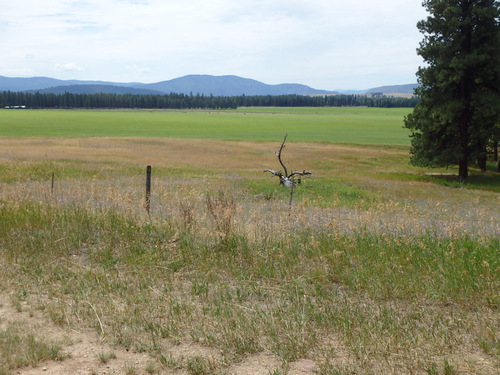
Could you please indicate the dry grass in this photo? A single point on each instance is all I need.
(175, 153)
(370, 273)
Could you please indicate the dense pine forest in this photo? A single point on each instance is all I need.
(182, 101)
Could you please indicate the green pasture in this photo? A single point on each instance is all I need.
(338, 125)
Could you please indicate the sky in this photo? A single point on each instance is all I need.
(325, 44)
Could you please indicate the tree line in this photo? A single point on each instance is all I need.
(183, 101)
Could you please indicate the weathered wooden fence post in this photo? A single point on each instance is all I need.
(148, 188)
(52, 184)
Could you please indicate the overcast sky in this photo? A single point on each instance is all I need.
(326, 44)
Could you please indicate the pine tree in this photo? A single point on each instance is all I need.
(460, 84)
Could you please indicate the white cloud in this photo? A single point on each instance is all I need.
(68, 67)
(323, 43)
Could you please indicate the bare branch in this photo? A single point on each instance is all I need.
(304, 173)
(279, 155)
(273, 172)
(285, 178)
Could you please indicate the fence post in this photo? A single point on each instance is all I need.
(52, 184)
(148, 188)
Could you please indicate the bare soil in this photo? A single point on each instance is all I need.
(82, 351)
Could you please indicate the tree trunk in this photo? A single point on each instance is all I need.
(466, 85)
(463, 162)
(463, 169)
(481, 162)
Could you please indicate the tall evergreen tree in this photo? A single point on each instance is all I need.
(460, 84)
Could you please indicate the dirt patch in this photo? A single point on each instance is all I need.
(85, 352)
(82, 352)
(254, 365)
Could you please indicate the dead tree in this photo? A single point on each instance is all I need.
(287, 179)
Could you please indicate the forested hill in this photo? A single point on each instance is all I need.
(396, 89)
(190, 84)
(96, 89)
(229, 86)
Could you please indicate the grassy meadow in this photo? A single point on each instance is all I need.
(339, 125)
(377, 267)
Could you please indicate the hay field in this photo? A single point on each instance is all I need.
(339, 125)
(377, 268)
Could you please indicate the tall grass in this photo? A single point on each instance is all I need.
(365, 285)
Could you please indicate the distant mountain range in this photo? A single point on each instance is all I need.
(396, 89)
(191, 84)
